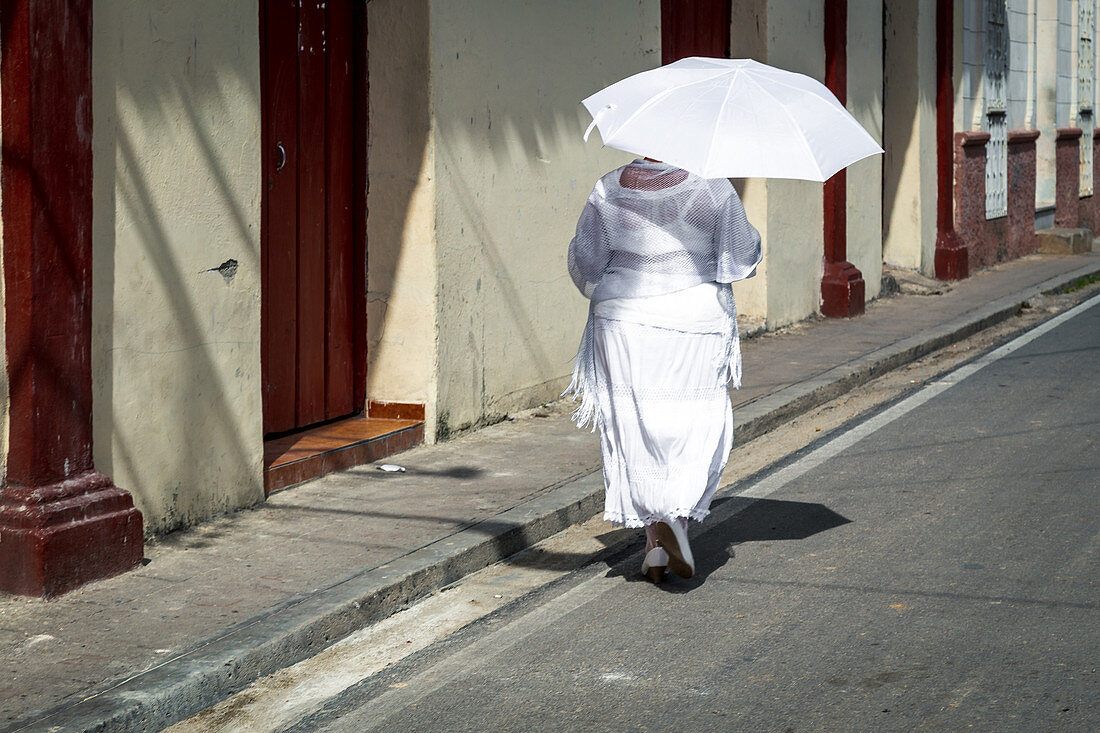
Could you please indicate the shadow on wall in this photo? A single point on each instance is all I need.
(176, 268)
(512, 175)
(177, 188)
(398, 225)
(904, 96)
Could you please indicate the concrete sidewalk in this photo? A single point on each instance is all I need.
(218, 606)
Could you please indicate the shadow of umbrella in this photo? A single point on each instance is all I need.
(773, 519)
(757, 520)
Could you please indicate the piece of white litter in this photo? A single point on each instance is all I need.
(391, 467)
(617, 677)
(36, 640)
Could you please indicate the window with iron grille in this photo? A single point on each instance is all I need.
(1086, 73)
(1084, 119)
(994, 75)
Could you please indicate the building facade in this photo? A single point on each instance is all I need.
(245, 243)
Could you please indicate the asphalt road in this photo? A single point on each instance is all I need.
(932, 567)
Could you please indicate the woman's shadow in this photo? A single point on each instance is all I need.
(758, 520)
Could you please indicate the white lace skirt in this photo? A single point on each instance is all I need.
(666, 419)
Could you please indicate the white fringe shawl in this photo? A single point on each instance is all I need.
(585, 383)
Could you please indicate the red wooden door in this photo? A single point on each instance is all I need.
(694, 28)
(308, 324)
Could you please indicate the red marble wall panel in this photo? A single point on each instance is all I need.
(1020, 230)
(1089, 213)
(1067, 184)
(969, 185)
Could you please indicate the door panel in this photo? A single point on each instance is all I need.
(340, 141)
(311, 213)
(309, 337)
(694, 28)
(279, 236)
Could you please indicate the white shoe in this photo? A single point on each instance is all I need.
(654, 564)
(673, 538)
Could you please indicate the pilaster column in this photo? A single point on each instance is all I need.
(951, 257)
(1067, 186)
(62, 523)
(1021, 193)
(842, 286)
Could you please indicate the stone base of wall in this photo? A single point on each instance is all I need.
(1064, 241)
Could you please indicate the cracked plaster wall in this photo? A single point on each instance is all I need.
(175, 345)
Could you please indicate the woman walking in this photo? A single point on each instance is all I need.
(655, 251)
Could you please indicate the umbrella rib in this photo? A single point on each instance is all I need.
(801, 138)
(656, 98)
(714, 135)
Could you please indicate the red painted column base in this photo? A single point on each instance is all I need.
(842, 290)
(952, 257)
(54, 538)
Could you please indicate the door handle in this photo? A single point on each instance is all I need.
(282, 156)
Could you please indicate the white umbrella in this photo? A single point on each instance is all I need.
(730, 118)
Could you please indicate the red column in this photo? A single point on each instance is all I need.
(61, 523)
(951, 258)
(842, 286)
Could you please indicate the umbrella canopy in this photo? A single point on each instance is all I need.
(730, 118)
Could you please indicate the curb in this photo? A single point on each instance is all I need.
(220, 666)
(767, 413)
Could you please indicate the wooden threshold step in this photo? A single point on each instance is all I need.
(292, 459)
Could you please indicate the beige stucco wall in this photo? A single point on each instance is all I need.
(788, 214)
(475, 187)
(909, 129)
(511, 177)
(175, 346)
(794, 245)
(401, 246)
(749, 39)
(864, 189)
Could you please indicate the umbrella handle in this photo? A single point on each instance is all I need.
(595, 119)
